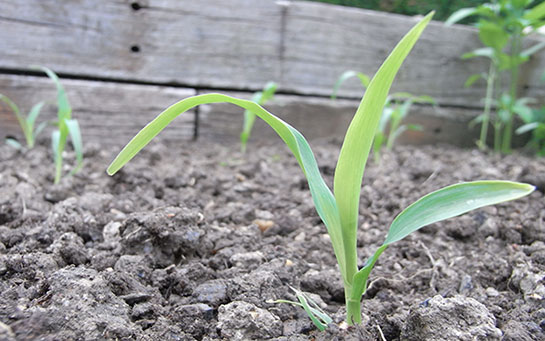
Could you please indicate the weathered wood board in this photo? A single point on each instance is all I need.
(108, 113)
(238, 45)
(321, 118)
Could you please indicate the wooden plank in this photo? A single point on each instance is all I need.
(327, 40)
(220, 44)
(108, 113)
(239, 44)
(321, 118)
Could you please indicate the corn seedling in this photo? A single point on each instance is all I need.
(27, 124)
(502, 26)
(260, 97)
(338, 209)
(396, 109)
(66, 126)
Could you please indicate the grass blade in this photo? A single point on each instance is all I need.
(364, 79)
(75, 136)
(453, 201)
(65, 111)
(460, 14)
(22, 121)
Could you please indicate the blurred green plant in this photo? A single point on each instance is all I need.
(502, 26)
(443, 8)
(27, 123)
(534, 122)
(66, 126)
(260, 97)
(396, 109)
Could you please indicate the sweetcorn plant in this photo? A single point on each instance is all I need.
(338, 209)
(27, 123)
(260, 97)
(66, 126)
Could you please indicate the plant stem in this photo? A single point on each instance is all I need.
(353, 311)
(508, 129)
(497, 136)
(487, 105)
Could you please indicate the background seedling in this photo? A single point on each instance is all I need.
(260, 97)
(502, 26)
(27, 123)
(339, 209)
(66, 126)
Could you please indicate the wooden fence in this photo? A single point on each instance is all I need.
(123, 61)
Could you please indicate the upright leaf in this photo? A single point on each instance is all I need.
(360, 134)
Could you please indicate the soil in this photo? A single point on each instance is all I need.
(192, 242)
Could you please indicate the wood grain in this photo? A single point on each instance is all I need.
(239, 45)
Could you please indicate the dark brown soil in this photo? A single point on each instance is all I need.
(190, 242)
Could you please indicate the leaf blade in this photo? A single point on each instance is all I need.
(359, 136)
(452, 201)
(323, 197)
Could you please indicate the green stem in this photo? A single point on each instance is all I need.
(497, 137)
(515, 66)
(353, 311)
(487, 105)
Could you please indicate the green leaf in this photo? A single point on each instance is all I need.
(33, 114)
(492, 35)
(460, 14)
(536, 13)
(75, 136)
(313, 310)
(268, 92)
(260, 97)
(481, 52)
(472, 79)
(527, 127)
(64, 109)
(453, 201)
(533, 49)
(14, 143)
(322, 196)
(364, 79)
(20, 118)
(359, 137)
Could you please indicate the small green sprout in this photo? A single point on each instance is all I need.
(395, 110)
(339, 209)
(66, 126)
(313, 310)
(27, 123)
(260, 97)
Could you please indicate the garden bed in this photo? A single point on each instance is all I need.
(191, 242)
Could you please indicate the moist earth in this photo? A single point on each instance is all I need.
(194, 241)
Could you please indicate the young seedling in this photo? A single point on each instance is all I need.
(66, 126)
(396, 109)
(27, 123)
(339, 209)
(260, 97)
(502, 25)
